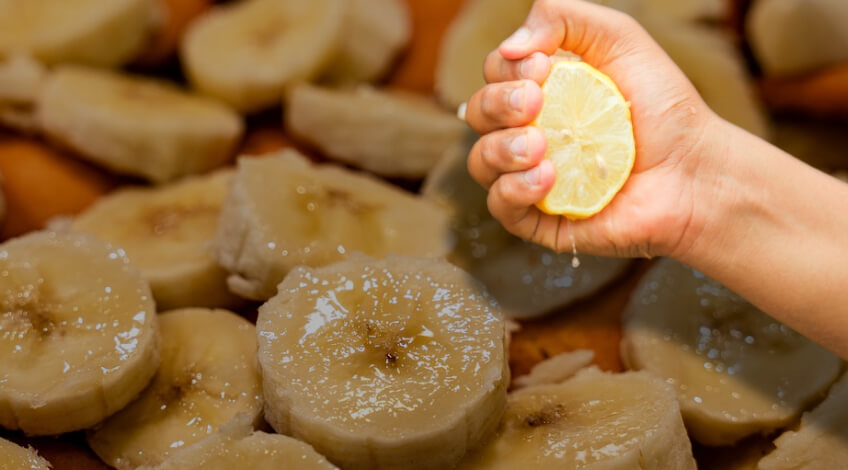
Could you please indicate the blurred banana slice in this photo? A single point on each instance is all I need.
(821, 443)
(237, 446)
(248, 53)
(167, 232)
(135, 125)
(78, 332)
(680, 10)
(384, 364)
(387, 133)
(284, 212)
(21, 78)
(477, 30)
(593, 421)
(104, 33)
(15, 457)
(527, 280)
(737, 371)
(375, 32)
(556, 369)
(790, 37)
(208, 376)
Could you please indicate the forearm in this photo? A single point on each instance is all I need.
(775, 231)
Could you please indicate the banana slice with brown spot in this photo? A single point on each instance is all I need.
(78, 332)
(21, 78)
(737, 371)
(238, 446)
(284, 211)
(821, 442)
(208, 376)
(248, 53)
(384, 364)
(167, 232)
(593, 421)
(104, 33)
(387, 133)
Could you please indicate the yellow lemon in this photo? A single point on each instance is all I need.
(590, 139)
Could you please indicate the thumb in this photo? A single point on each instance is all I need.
(592, 31)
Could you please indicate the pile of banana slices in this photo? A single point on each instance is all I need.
(384, 315)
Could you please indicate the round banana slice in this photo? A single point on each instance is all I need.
(593, 421)
(135, 125)
(238, 446)
(821, 443)
(78, 333)
(737, 371)
(207, 377)
(375, 31)
(796, 36)
(526, 279)
(387, 133)
(390, 364)
(167, 232)
(248, 53)
(21, 78)
(104, 33)
(284, 212)
(477, 30)
(15, 457)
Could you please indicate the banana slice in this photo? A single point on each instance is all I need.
(104, 33)
(821, 443)
(284, 212)
(737, 371)
(78, 333)
(15, 457)
(527, 280)
(238, 446)
(375, 32)
(167, 232)
(387, 133)
(796, 36)
(556, 369)
(248, 53)
(207, 377)
(593, 421)
(389, 364)
(478, 29)
(136, 125)
(21, 78)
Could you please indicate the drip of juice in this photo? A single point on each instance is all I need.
(575, 262)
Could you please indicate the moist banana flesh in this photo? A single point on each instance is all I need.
(208, 376)
(737, 371)
(97, 32)
(821, 443)
(248, 53)
(526, 279)
(593, 421)
(15, 457)
(237, 445)
(167, 232)
(383, 364)
(78, 334)
(387, 133)
(284, 212)
(137, 126)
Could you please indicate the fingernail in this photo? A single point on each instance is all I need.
(529, 66)
(518, 147)
(460, 112)
(516, 99)
(533, 176)
(518, 38)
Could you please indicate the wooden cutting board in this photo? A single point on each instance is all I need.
(41, 182)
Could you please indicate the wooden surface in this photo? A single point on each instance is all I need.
(41, 182)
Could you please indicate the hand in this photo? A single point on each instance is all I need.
(674, 129)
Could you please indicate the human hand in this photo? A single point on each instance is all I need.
(675, 134)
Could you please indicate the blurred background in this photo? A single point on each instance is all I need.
(778, 68)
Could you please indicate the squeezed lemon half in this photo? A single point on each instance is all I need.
(589, 131)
